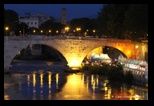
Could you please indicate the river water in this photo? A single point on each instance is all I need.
(36, 80)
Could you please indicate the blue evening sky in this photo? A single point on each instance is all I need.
(72, 10)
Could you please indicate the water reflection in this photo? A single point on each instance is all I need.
(64, 86)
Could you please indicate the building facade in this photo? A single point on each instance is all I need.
(31, 22)
(34, 20)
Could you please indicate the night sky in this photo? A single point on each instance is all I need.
(72, 10)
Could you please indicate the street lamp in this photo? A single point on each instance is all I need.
(57, 31)
(66, 29)
(49, 31)
(94, 32)
(34, 31)
(20, 33)
(78, 30)
(41, 31)
(6, 28)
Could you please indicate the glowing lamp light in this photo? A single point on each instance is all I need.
(137, 97)
(49, 31)
(41, 31)
(136, 46)
(66, 28)
(57, 31)
(74, 63)
(6, 28)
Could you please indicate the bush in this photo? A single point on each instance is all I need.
(114, 73)
(129, 77)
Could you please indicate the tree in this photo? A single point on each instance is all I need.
(11, 19)
(136, 20)
(85, 24)
(103, 19)
(125, 21)
(111, 19)
(57, 26)
(22, 29)
(51, 25)
(46, 25)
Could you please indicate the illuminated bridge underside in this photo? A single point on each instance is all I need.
(74, 50)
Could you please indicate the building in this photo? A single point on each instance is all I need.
(34, 20)
(41, 17)
(63, 18)
(31, 22)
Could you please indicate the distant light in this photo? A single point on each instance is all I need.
(136, 46)
(49, 31)
(66, 28)
(6, 28)
(41, 31)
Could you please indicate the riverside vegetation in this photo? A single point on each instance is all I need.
(112, 72)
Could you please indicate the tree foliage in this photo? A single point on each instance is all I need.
(125, 21)
(136, 21)
(22, 29)
(51, 25)
(11, 19)
(85, 24)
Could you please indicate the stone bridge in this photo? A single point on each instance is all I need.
(74, 49)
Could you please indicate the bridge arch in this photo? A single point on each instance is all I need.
(21, 47)
(116, 51)
(54, 50)
(112, 52)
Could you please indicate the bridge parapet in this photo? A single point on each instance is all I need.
(44, 37)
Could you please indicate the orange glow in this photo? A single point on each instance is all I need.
(57, 78)
(34, 79)
(28, 79)
(6, 28)
(78, 29)
(92, 79)
(49, 80)
(136, 97)
(49, 31)
(94, 31)
(75, 85)
(119, 48)
(6, 97)
(67, 28)
(75, 63)
(128, 53)
(41, 31)
(136, 46)
(41, 80)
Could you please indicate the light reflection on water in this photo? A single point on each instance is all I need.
(67, 86)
